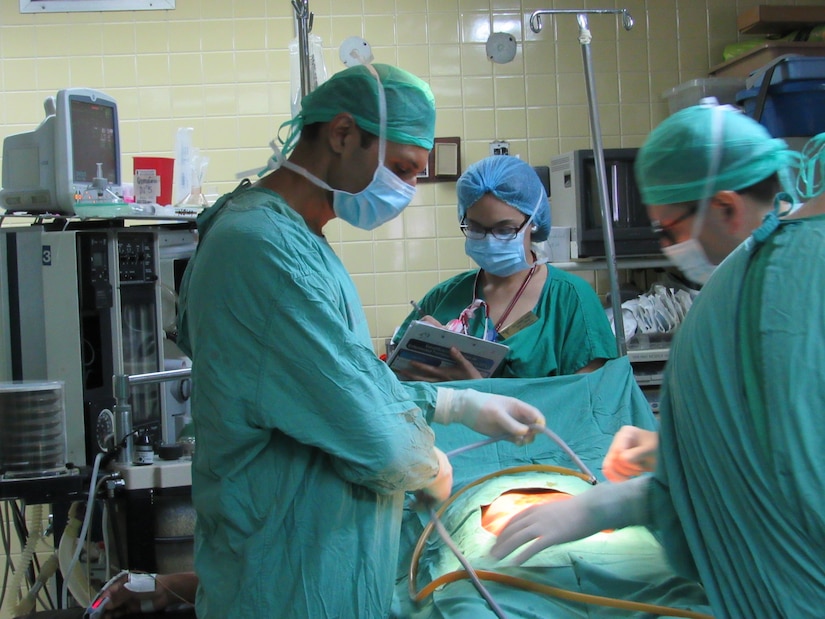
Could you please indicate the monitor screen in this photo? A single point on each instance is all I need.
(94, 133)
(623, 196)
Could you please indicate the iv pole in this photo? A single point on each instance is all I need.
(303, 21)
(598, 152)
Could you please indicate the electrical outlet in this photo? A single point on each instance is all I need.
(499, 147)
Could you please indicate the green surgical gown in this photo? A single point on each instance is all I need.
(739, 495)
(571, 329)
(305, 439)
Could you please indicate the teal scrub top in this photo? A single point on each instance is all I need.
(305, 440)
(571, 329)
(739, 493)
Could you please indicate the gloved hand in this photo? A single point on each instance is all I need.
(632, 452)
(607, 506)
(487, 413)
(440, 488)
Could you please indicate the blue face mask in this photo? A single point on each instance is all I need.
(502, 258)
(380, 201)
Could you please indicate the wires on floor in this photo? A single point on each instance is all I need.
(81, 540)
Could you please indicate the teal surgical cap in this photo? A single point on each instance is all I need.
(410, 104)
(511, 180)
(673, 165)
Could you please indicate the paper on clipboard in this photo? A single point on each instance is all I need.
(429, 344)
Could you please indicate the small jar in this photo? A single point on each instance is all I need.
(144, 451)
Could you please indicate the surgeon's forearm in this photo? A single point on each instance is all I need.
(405, 462)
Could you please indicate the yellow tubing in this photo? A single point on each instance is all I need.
(521, 583)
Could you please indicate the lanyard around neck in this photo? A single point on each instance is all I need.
(516, 297)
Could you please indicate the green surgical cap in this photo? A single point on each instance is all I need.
(673, 165)
(410, 103)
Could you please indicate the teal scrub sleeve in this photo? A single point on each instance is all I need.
(354, 407)
(292, 307)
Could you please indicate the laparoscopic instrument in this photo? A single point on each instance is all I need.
(477, 576)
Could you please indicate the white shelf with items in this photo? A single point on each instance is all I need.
(652, 262)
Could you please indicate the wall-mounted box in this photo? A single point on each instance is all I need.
(444, 163)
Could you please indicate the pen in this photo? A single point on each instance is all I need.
(417, 308)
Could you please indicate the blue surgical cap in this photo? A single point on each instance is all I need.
(511, 180)
(673, 165)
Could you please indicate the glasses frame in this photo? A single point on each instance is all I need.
(512, 233)
(664, 232)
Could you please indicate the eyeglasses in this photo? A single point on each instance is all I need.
(664, 232)
(472, 230)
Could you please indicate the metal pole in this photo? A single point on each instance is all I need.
(303, 19)
(598, 154)
(123, 410)
(601, 179)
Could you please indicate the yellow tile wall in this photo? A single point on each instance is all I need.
(223, 68)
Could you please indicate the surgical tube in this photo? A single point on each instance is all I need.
(521, 583)
(557, 439)
(591, 479)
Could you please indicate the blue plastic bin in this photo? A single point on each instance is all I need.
(794, 108)
(789, 68)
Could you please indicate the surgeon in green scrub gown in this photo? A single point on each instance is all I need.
(305, 440)
(553, 321)
(737, 494)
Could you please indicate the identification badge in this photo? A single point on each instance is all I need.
(522, 323)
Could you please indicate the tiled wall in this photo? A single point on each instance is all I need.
(223, 68)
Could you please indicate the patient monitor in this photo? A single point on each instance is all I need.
(48, 169)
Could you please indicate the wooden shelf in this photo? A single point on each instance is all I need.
(769, 19)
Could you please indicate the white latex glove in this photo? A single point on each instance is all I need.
(441, 487)
(487, 413)
(632, 452)
(606, 506)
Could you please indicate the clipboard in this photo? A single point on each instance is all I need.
(429, 344)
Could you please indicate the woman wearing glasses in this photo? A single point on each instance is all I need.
(552, 321)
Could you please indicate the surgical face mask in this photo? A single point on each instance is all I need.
(689, 256)
(380, 201)
(500, 257)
